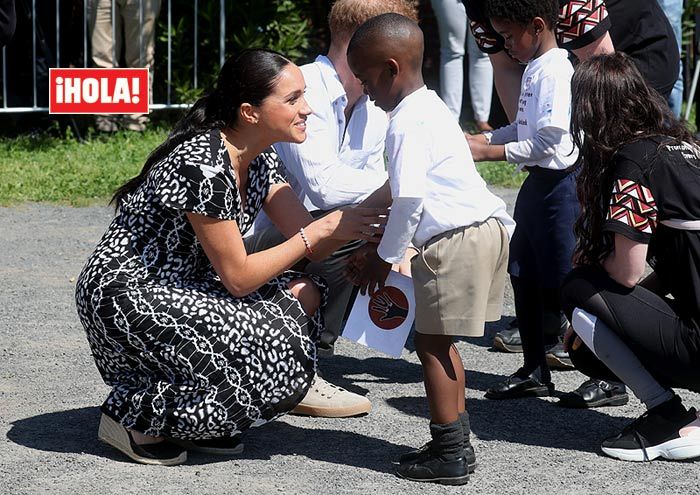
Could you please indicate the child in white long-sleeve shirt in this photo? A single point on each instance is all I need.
(441, 205)
(539, 142)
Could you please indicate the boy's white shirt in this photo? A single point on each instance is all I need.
(540, 134)
(337, 164)
(434, 183)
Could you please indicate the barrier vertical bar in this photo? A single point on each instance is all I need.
(4, 77)
(142, 58)
(114, 35)
(170, 49)
(85, 34)
(196, 34)
(222, 34)
(58, 30)
(34, 49)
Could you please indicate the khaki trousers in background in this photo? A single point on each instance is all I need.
(133, 32)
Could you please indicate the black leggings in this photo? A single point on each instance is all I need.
(666, 345)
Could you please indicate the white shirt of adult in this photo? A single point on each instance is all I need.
(340, 162)
(434, 183)
(540, 136)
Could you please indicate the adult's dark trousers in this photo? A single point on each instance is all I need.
(666, 344)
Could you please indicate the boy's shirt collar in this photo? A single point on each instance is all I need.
(415, 95)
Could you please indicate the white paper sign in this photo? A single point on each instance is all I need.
(384, 320)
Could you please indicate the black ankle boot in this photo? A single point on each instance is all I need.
(423, 451)
(445, 462)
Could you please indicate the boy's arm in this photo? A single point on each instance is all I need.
(400, 228)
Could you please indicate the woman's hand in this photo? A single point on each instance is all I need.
(571, 340)
(350, 223)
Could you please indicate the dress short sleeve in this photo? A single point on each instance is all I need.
(632, 210)
(197, 177)
(274, 168)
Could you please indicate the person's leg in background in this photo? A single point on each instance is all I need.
(480, 84)
(452, 26)
(139, 20)
(674, 12)
(105, 43)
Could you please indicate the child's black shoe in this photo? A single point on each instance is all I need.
(444, 460)
(424, 452)
(436, 469)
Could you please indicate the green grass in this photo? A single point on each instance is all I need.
(63, 170)
(500, 174)
(49, 168)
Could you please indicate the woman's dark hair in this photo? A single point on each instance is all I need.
(522, 12)
(248, 77)
(612, 106)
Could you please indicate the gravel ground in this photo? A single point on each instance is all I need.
(50, 391)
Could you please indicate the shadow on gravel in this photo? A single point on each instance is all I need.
(338, 447)
(529, 422)
(336, 369)
(72, 431)
(75, 431)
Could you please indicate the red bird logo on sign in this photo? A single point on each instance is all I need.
(388, 308)
(103, 91)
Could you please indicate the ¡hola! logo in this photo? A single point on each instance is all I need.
(98, 91)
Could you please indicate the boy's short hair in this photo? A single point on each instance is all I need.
(347, 15)
(524, 11)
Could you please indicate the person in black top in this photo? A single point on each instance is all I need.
(646, 164)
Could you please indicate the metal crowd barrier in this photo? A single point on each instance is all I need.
(154, 106)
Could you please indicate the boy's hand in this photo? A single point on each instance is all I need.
(356, 262)
(371, 275)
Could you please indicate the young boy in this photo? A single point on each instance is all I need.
(546, 209)
(441, 204)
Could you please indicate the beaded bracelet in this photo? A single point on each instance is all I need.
(306, 241)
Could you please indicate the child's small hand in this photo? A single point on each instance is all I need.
(373, 274)
(356, 262)
(479, 149)
(571, 340)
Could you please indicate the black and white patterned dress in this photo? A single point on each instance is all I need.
(184, 357)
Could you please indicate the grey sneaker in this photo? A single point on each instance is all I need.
(325, 400)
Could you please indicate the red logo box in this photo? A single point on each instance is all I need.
(105, 91)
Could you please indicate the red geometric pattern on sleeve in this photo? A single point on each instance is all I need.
(484, 35)
(634, 205)
(578, 17)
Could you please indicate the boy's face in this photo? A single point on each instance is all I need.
(376, 77)
(521, 42)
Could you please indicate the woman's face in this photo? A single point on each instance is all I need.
(283, 113)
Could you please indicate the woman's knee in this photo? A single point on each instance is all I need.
(307, 293)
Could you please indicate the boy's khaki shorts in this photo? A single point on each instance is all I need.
(459, 279)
